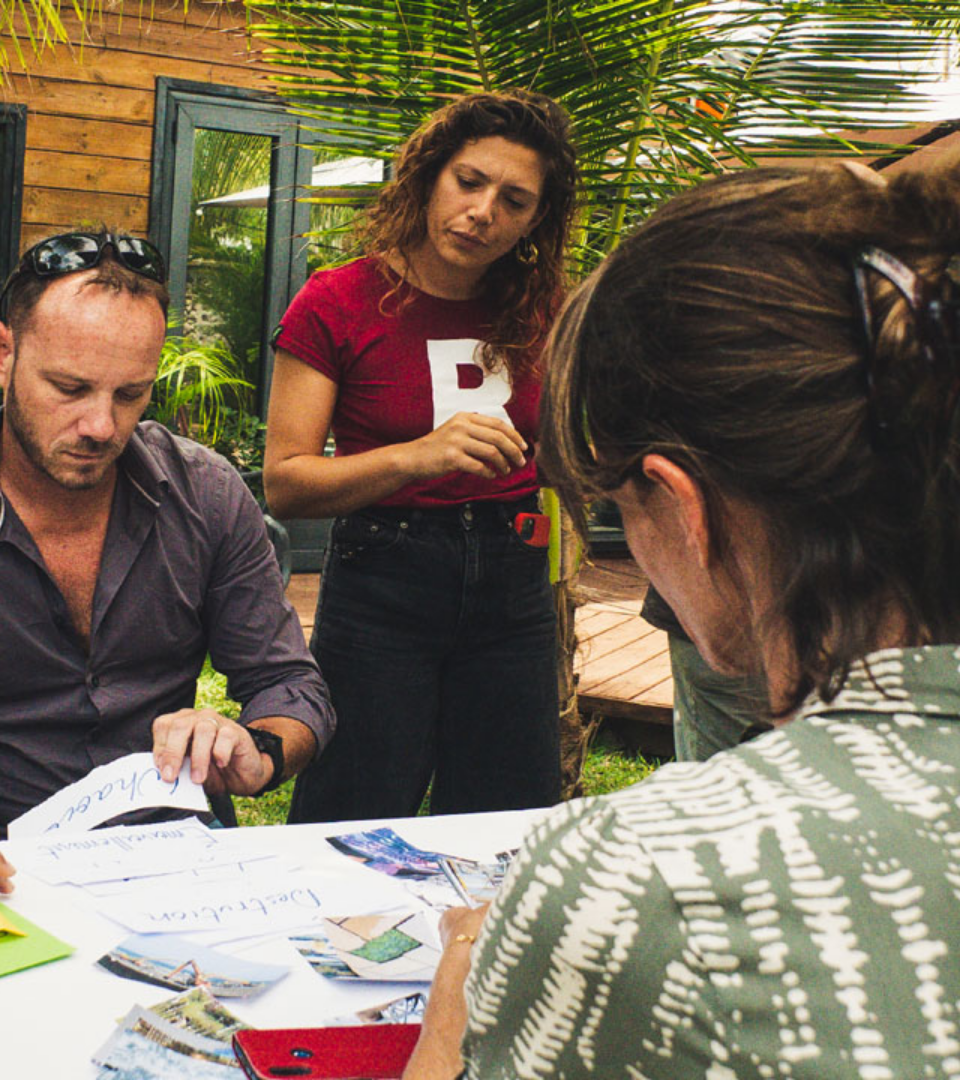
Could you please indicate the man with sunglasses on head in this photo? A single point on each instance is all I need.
(127, 554)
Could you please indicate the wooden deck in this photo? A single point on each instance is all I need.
(622, 661)
(302, 593)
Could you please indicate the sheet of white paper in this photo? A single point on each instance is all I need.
(126, 851)
(255, 906)
(337, 893)
(129, 783)
(254, 865)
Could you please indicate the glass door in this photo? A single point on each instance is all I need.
(227, 166)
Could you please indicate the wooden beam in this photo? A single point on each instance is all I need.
(49, 169)
(103, 138)
(80, 99)
(50, 210)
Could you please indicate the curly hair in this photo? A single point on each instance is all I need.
(726, 334)
(525, 297)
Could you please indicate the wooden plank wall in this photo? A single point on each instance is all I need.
(91, 108)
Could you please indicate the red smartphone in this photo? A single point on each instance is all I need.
(365, 1052)
(533, 529)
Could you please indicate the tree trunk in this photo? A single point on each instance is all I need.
(574, 734)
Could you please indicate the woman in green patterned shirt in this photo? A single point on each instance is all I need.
(765, 377)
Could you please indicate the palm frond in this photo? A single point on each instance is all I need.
(191, 388)
(30, 28)
(662, 92)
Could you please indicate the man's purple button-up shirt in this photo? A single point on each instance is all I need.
(187, 569)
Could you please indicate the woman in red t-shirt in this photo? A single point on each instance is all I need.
(435, 626)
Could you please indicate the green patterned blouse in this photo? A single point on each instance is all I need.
(790, 908)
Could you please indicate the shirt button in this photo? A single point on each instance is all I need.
(94, 681)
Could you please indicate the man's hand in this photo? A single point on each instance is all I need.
(6, 873)
(223, 756)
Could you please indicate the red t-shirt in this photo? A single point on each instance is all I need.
(402, 371)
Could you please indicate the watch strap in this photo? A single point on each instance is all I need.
(272, 745)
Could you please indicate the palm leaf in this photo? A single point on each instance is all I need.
(662, 93)
(191, 388)
(32, 27)
(35, 23)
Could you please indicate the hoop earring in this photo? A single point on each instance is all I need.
(527, 252)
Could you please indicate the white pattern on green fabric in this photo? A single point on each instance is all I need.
(790, 908)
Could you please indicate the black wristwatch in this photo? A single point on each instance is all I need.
(272, 745)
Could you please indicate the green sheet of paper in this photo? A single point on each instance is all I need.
(27, 945)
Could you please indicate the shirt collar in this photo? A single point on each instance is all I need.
(913, 680)
(142, 467)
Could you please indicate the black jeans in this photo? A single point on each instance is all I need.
(436, 634)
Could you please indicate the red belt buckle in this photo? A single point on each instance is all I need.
(533, 529)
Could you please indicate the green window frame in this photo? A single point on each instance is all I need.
(13, 141)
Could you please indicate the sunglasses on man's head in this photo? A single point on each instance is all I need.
(70, 252)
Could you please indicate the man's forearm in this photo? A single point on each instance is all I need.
(299, 742)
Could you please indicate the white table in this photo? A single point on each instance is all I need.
(53, 1017)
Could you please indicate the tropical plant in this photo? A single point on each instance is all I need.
(34, 23)
(225, 293)
(242, 440)
(196, 384)
(225, 266)
(661, 92)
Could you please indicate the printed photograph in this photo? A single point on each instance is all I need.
(177, 964)
(391, 947)
(440, 880)
(144, 1047)
(402, 1010)
(200, 1012)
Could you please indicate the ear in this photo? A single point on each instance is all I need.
(686, 499)
(537, 218)
(6, 354)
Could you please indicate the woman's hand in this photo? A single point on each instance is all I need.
(437, 1053)
(467, 442)
(300, 482)
(6, 873)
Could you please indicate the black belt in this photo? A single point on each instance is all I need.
(475, 510)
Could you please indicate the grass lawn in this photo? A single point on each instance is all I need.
(607, 767)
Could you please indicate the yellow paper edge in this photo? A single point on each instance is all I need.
(7, 927)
